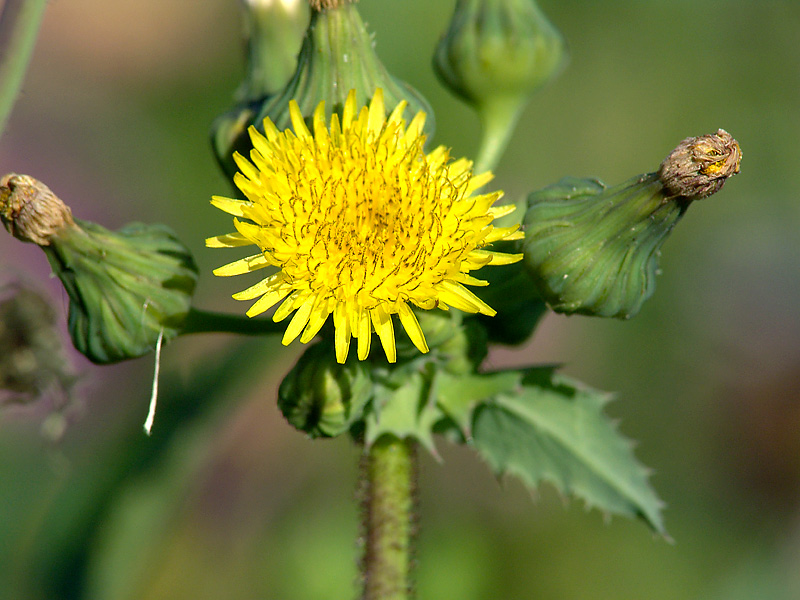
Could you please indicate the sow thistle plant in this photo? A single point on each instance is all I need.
(364, 230)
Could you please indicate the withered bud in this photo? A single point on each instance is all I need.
(320, 5)
(30, 211)
(700, 165)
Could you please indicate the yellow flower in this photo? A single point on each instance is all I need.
(355, 220)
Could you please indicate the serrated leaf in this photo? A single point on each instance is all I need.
(458, 396)
(554, 430)
(406, 411)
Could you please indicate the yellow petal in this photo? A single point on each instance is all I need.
(228, 240)
(501, 258)
(262, 287)
(382, 321)
(285, 309)
(502, 211)
(364, 334)
(349, 111)
(469, 280)
(268, 300)
(298, 323)
(247, 168)
(461, 298)
(243, 265)
(229, 205)
(397, 113)
(377, 112)
(341, 324)
(298, 123)
(478, 181)
(414, 128)
(504, 233)
(409, 321)
(315, 322)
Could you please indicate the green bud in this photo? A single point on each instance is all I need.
(338, 55)
(495, 54)
(126, 288)
(274, 32)
(322, 397)
(498, 48)
(594, 250)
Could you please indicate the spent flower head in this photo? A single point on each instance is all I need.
(357, 221)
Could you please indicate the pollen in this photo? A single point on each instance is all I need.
(354, 221)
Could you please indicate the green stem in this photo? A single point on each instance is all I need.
(389, 474)
(498, 119)
(202, 321)
(19, 25)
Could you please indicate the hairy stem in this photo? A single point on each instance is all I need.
(19, 25)
(389, 480)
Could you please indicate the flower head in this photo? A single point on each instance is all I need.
(357, 221)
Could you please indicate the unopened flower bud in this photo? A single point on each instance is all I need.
(337, 56)
(495, 54)
(594, 250)
(498, 49)
(126, 288)
(322, 397)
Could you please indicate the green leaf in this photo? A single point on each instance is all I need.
(552, 429)
(407, 411)
(458, 396)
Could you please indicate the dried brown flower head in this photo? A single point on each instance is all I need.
(30, 211)
(700, 165)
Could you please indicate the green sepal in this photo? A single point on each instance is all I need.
(553, 429)
(125, 287)
(322, 397)
(594, 250)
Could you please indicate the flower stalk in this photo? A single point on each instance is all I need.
(19, 26)
(206, 321)
(389, 524)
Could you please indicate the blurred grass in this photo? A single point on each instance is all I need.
(230, 502)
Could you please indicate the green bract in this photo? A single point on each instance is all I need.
(593, 250)
(322, 397)
(125, 287)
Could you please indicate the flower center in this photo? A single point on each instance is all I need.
(370, 227)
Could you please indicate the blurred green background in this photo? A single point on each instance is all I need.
(225, 500)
